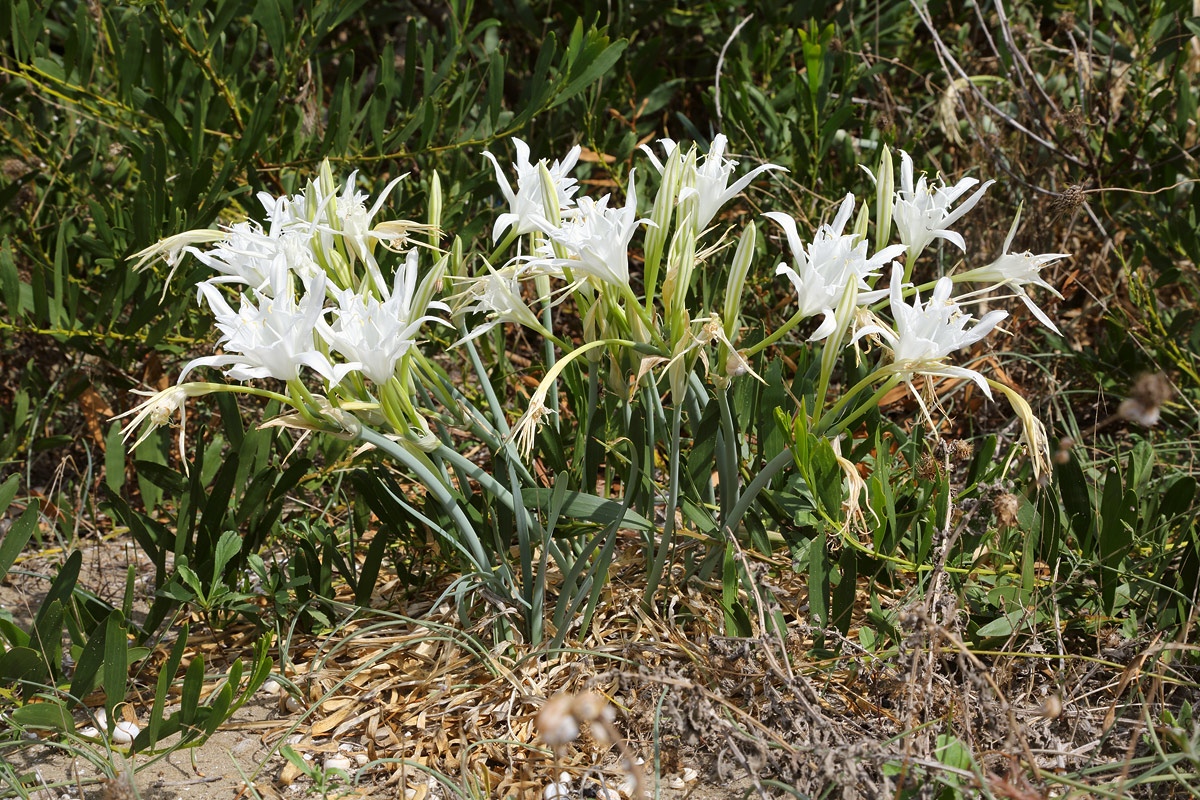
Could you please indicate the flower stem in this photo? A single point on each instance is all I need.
(504, 244)
(775, 336)
(871, 402)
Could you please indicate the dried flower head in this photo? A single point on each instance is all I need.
(928, 468)
(1006, 506)
(1069, 200)
(960, 449)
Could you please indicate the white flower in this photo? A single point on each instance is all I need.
(272, 339)
(355, 219)
(260, 259)
(926, 335)
(596, 238)
(1016, 271)
(708, 182)
(497, 293)
(922, 211)
(526, 213)
(171, 248)
(824, 269)
(158, 410)
(375, 333)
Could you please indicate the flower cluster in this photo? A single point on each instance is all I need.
(288, 296)
(302, 294)
(586, 244)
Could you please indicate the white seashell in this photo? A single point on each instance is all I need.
(689, 775)
(89, 732)
(101, 719)
(361, 759)
(292, 704)
(125, 732)
(557, 791)
(338, 762)
(675, 782)
(272, 688)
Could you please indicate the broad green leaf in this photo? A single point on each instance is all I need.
(115, 671)
(18, 535)
(50, 715)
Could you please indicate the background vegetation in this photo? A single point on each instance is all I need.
(125, 122)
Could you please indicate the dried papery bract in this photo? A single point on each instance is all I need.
(1151, 391)
(562, 718)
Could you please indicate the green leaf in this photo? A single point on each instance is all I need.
(193, 682)
(88, 663)
(51, 715)
(18, 535)
(843, 593)
(114, 459)
(165, 676)
(1001, 626)
(115, 670)
(8, 491)
(818, 579)
(228, 547)
(47, 636)
(589, 508)
(588, 70)
(21, 663)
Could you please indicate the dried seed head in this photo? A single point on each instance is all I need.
(1006, 507)
(958, 449)
(1074, 120)
(1066, 21)
(928, 468)
(119, 788)
(592, 707)
(1069, 200)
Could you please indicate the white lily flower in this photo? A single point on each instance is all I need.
(526, 213)
(260, 259)
(158, 410)
(708, 181)
(596, 239)
(822, 270)
(355, 219)
(172, 248)
(922, 211)
(1016, 271)
(497, 293)
(374, 333)
(926, 334)
(272, 339)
